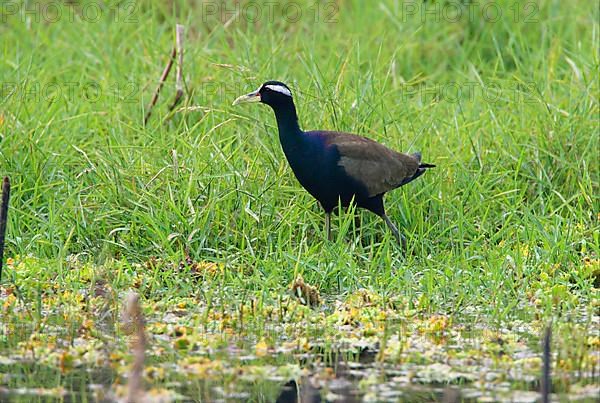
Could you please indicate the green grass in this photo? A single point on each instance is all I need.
(507, 224)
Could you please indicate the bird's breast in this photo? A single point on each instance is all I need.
(316, 166)
(312, 163)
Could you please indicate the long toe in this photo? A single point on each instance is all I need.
(402, 242)
(401, 239)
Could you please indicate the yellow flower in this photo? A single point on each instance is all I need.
(9, 300)
(65, 362)
(594, 341)
(261, 348)
(437, 323)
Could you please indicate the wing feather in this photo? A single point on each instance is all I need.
(377, 167)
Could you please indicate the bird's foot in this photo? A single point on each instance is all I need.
(402, 241)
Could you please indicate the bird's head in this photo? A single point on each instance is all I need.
(272, 93)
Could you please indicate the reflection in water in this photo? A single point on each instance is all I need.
(291, 394)
(305, 392)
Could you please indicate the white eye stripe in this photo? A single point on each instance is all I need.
(279, 88)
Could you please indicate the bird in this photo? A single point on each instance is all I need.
(338, 168)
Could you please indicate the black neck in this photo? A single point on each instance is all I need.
(287, 119)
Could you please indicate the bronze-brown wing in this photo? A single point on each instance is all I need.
(372, 164)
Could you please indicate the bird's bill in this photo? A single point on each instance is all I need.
(252, 97)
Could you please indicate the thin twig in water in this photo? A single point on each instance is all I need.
(163, 78)
(546, 384)
(134, 317)
(3, 218)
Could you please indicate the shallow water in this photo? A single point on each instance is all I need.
(419, 360)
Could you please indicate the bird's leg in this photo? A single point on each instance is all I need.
(328, 224)
(399, 237)
(356, 214)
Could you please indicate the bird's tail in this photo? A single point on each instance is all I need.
(422, 168)
(417, 155)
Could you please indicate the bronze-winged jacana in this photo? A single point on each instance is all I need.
(337, 167)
